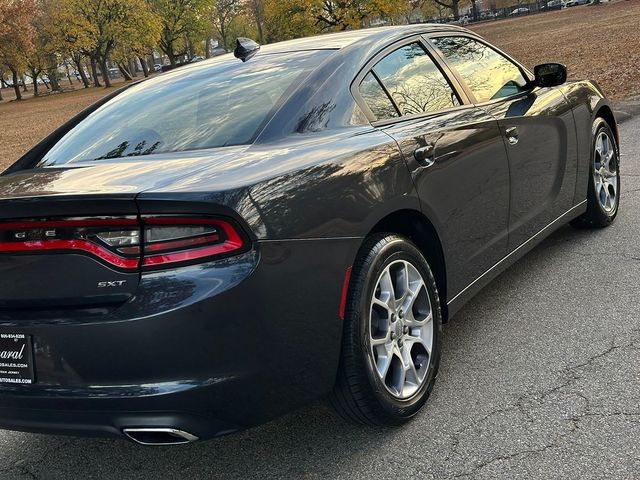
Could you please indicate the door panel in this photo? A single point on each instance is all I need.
(464, 182)
(541, 146)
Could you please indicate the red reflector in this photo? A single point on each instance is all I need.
(345, 292)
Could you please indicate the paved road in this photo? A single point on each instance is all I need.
(540, 379)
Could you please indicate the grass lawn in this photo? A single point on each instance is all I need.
(601, 43)
(596, 42)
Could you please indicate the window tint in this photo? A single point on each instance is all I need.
(488, 74)
(376, 98)
(212, 104)
(414, 81)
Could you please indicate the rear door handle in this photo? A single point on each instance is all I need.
(512, 135)
(425, 155)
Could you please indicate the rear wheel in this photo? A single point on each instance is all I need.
(603, 194)
(391, 344)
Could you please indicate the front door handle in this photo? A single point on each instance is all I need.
(425, 155)
(512, 135)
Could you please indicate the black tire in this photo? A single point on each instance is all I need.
(596, 216)
(360, 396)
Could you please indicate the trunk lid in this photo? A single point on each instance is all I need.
(51, 220)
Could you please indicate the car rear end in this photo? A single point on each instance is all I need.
(112, 320)
(164, 319)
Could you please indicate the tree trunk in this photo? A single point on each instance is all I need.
(189, 48)
(24, 84)
(94, 72)
(172, 59)
(133, 67)
(34, 75)
(66, 67)
(125, 73)
(105, 72)
(455, 8)
(258, 14)
(260, 31)
(145, 67)
(207, 48)
(16, 85)
(80, 68)
(52, 73)
(53, 80)
(1, 93)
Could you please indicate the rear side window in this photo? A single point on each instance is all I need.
(376, 98)
(212, 104)
(487, 73)
(414, 82)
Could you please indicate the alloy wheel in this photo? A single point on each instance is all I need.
(605, 172)
(401, 329)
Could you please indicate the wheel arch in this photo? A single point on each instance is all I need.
(606, 113)
(420, 230)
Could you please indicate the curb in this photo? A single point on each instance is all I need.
(626, 109)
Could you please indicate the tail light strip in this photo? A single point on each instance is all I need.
(71, 245)
(185, 240)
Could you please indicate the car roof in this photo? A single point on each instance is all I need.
(340, 40)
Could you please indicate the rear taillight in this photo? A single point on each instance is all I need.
(126, 243)
(170, 241)
(97, 237)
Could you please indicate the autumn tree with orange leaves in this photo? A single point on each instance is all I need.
(17, 36)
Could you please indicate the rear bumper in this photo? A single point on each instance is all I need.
(207, 349)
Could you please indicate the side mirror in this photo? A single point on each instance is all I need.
(550, 74)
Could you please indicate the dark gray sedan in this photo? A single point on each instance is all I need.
(220, 244)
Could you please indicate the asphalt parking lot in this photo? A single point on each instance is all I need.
(540, 379)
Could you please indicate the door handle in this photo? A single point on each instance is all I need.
(512, 135)
(425, 155)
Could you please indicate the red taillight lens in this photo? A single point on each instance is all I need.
(97, 237)
(169, 241)
(125, 244)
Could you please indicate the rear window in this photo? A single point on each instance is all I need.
(204, 106)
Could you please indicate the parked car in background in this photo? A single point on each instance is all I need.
(519, 11)
(575, 3)
(157, 67)
(463, 20)
(209, 249)
(553, 5)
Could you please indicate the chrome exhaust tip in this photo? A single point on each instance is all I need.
(159, 436)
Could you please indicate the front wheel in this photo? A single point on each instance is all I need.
(392, 335)
(603, 194)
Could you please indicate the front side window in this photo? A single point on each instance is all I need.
(211, 104)
(488, 74)
(414, 81)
